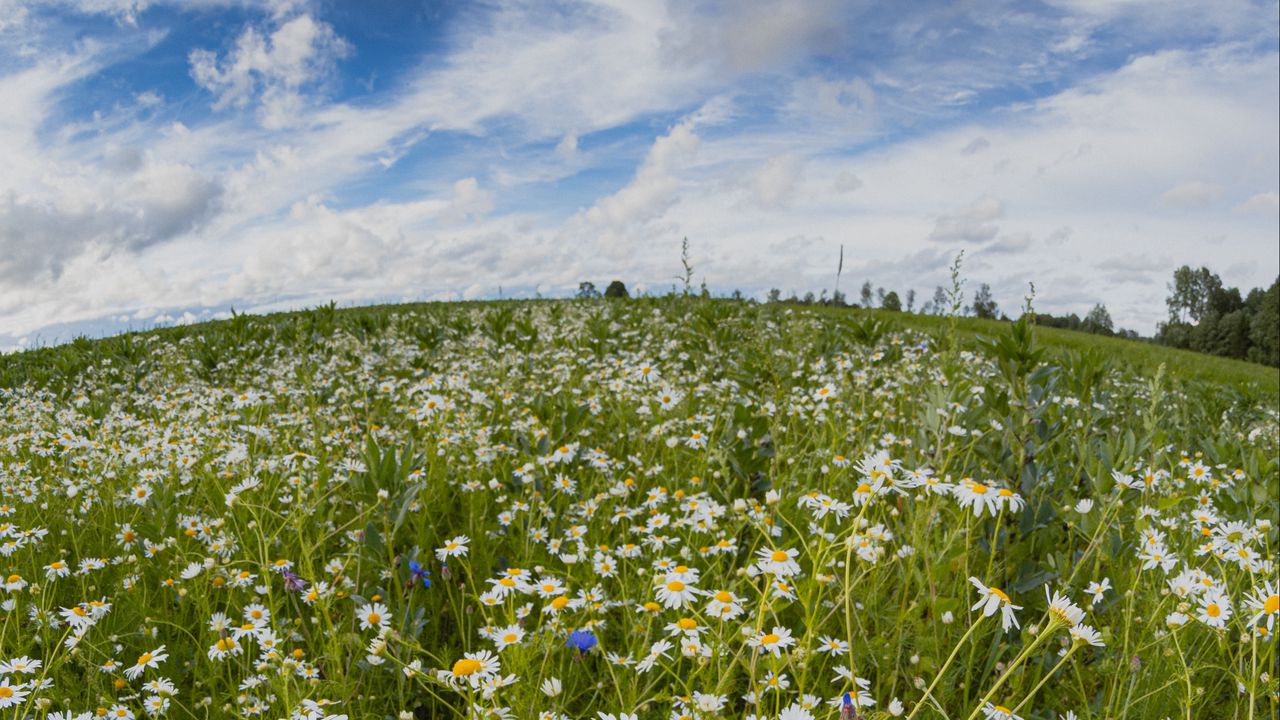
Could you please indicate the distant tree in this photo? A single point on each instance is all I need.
(911, 300)
(1194, 293)
(775, 295)
(880, 295)
(736, 295)
(808, 298)
(838, 299)
(1264, 329)
(587, 291)
(984, 306)
(616, 289)
(890, 301)
(927, 308)
(1098, 321)
(866, 294)
(939, 300)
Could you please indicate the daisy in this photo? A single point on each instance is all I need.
(992, 599)
(724, 605)
(998, 712)
(473, 669)
(676, 594)
(1086, 634)
(23, 665)
(778, 562)
(1215, 609)
(507, 636)
(657, 650)
(224, 648)
(456, 547)
(772, 642)
(146, 660)
(977, 497)
(56, 569)
(1062, 609)
(1265, 602)
(835, 646)
(1096, 589)
(373, 615)
(12, 695)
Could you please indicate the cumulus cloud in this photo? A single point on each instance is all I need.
(272, 69)
(774, 185)
(654, 186)
(1191, 194)
(1267, 202)
(973, 224)
(128, 210)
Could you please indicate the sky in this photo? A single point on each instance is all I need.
(166, 162)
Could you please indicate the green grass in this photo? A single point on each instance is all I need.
(1143, 358)
(1136, 355)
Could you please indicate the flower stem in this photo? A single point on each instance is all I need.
(943, 670)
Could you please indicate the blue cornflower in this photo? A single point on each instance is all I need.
(582, 640)
(847, 711)
(419, 573)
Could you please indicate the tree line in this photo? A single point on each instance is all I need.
(1209, 317)
(1204, 314)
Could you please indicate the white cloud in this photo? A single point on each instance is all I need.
(470, 201)
(972, 224)
(654, 187)
(1191, 194)
(775, 183)
(1267, 202)
(567, 148)
(273, 69)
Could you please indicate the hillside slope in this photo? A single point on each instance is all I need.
(56, 365)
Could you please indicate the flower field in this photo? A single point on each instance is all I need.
(669, 508)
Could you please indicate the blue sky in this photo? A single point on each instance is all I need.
(164, 162)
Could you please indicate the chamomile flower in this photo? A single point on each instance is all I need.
(457, 547)
(998, 712)
(778, 562)
(993, 599)
(1215, 609)
(1265, 603)
(676, 594)
(1097, 589)
(146, 660)
(373, 615)
(773, 642)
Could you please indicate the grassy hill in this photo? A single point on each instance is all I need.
(632, 508)
(57, 363)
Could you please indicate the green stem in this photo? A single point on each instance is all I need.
(1022, 656)
(943, 670)
(1045, 679)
